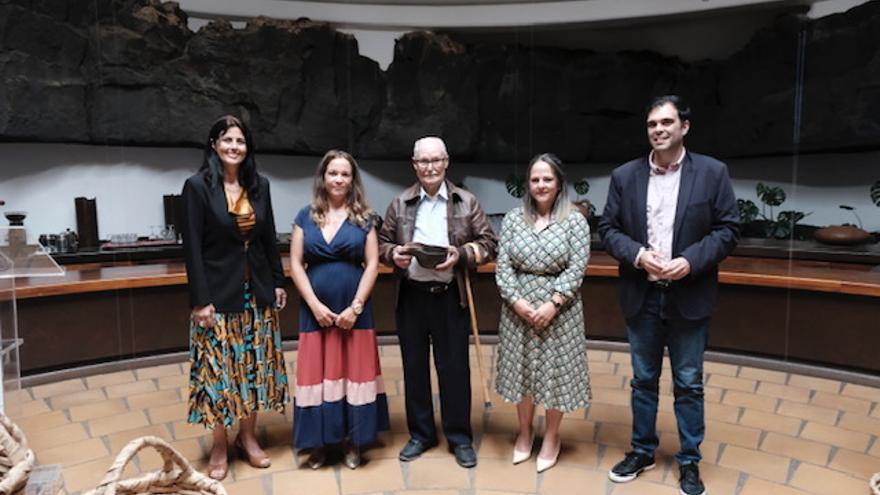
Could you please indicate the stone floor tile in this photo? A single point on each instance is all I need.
(496, 474)
(251, 486)
(770, 422)
(763, 375)
(65, 401)
(499, 446)
(580, 454)
(580, 430)
(42, 422)
(722, 412)
(375, 476)
(11, 394)
(757, 486)
(58, 388)
(750, 401)
(387, 446)
(787, 392)
(666, 422)
(871, 394)
(815, 479)
(40, 440)
(716, 478)
(732, 383)
(100, 409)
(157, 371)
(566, 480)
(619, 357)
(814, 383)
(719, 368)
(797, 448)
(596, 356)
(320, 482)
(126, 389)
(767, 466)
(428, 492)
(495, 492)
(120, 439)
(810, 413)
(119, 422)
(503, 422)
(842, 403)
(643, 487)
(613, 397)
(26, 409)
(609, 413)
(191, 448)
(282, 460)
(437, 473)
(182, 429)
(613, 434)
(167, 414)
(607, 369)
(87, 475)
(172, 381)
(855, 464)
(153, 399)
(875, 449)
(73, 453)
(857, 422)
(732, 434)
(107, 379)
(602, 380)
(839, 437)
(609, 456)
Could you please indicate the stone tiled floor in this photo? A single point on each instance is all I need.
(768, 432)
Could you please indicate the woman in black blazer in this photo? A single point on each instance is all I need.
(236, 289)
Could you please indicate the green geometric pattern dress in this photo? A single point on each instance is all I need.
(550, 364)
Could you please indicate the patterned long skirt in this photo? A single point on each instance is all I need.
(236, 367)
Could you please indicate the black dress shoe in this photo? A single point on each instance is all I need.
(413, 449)
(465, 456)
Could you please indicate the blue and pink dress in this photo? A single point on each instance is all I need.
(339, 393)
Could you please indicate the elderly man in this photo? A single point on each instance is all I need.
(670, 219)
(431, 303)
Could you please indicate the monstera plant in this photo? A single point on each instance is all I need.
(778, 226)
(516, 184)
(875, 193)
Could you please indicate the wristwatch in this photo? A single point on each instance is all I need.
(357, 307)
(556, 303)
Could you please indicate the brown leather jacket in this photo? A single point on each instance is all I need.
(468, 229)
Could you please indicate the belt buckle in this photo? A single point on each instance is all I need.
(663, 284)
(437, 289)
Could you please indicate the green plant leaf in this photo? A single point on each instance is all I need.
(748, 210)
(770, 196)
(582, 187)
(875, 193)
(516, 185)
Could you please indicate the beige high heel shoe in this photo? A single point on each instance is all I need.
(520, 456)
(543, 464)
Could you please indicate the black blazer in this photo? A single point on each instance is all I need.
(705, 232)
(216, 252)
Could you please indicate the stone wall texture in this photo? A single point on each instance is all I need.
(131, 72)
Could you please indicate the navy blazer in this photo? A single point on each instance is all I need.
(216, 252)
(705, 232)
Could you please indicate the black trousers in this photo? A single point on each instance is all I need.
(424, 319)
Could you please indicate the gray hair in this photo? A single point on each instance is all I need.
(428, 139)
(562, 206)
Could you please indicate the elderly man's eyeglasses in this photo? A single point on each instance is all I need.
(424, 163)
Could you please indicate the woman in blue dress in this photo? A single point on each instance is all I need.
(340, 396)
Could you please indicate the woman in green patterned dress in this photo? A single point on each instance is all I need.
(236, 287)
(542, 255)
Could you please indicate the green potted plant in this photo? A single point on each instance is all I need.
(584, 205)
(763, 223)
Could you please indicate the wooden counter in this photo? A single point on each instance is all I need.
(811, 311)
(820, 276)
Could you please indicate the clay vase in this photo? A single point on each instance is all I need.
(842, 235)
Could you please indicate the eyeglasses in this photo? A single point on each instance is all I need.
(424, 163)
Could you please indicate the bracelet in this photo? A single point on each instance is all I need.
(556, 303)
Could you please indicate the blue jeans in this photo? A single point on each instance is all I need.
(654, 327)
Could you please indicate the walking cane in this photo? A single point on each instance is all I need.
(476, 331)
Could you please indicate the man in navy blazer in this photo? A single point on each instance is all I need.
(670, 219)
